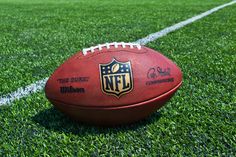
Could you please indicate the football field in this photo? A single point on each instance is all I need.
(37, 36)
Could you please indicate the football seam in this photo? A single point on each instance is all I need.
(120, 107)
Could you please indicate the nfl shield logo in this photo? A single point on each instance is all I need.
(116, 78)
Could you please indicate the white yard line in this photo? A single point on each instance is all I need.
(179, 25)
(23, 92)
(39, 85)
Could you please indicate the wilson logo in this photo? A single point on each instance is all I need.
(71, 89)
(116, 78)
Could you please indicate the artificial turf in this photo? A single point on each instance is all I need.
(36, 37)
(200, 120)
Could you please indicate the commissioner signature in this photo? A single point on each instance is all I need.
(155, 72)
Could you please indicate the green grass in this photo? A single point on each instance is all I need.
(200, 120)
(36, 37)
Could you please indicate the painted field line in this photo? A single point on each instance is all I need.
(39, 85)
(179, 25)
(23, 92)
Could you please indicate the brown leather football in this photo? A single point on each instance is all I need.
(113, 83)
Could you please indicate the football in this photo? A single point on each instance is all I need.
(113, 83)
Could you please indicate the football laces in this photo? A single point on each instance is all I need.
(108, 45)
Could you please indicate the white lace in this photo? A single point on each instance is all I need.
(107, 45)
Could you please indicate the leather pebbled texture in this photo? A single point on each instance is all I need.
(110, 79)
